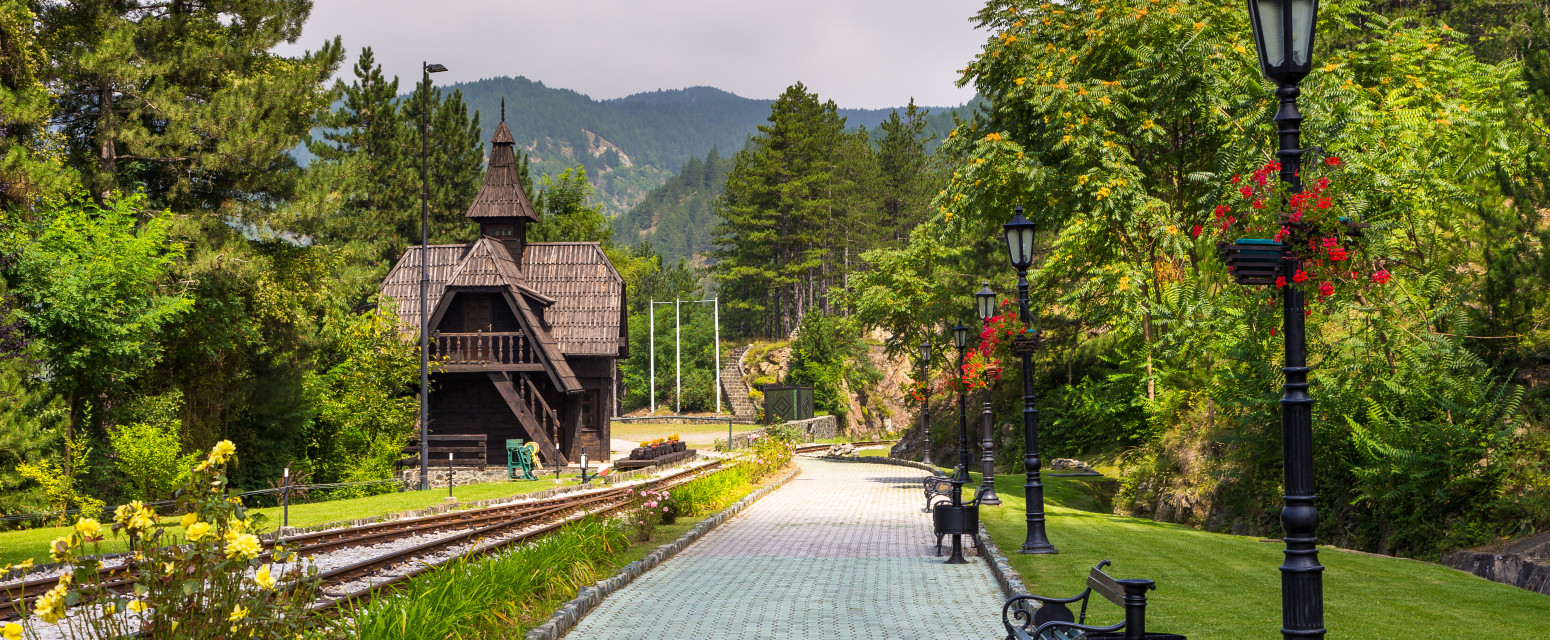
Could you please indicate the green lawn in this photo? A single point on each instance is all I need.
(16, 546)
(1221, 587)
(638, 431)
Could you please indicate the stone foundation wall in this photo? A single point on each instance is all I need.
(409, 479)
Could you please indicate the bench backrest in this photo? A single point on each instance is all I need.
(1105, 585)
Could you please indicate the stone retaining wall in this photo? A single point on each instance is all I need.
(819, 428)
(1506, 568)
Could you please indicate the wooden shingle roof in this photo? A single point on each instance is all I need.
(588, 314)
(502, 196)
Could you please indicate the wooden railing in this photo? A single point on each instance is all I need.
(467, 451)
(482, 348)
(535, 403)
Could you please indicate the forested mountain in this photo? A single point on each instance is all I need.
(677, 218)
(634, 144)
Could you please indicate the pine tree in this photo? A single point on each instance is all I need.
(185, 99)
(909, 175)
(27, 168)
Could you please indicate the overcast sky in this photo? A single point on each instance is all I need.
(860, 53)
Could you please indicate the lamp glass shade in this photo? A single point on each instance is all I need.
(434, 68)
(960, 336)
(925, 351)
(985, 302)
(1283, 31)
(1019, 239)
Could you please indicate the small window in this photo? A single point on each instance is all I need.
(498, 230)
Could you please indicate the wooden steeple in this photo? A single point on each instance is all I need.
(502, 208)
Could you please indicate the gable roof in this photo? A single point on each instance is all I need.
(501, 195)
(483, 264)
(588, 315)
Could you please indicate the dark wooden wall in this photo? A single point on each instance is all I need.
(467, 404)
(501, 317)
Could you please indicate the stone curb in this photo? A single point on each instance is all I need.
(881, 460)
(589, 598)
(1006, 576)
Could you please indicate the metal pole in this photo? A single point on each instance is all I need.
(715, 304)
(651, 308)
(678, 366)
(988, 454)
(1302, 579)
(1033, 488)
(449, 475)
(425, 281)
(962, 473)
(285, 520)
(925, 410)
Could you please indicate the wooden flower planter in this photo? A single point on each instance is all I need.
(1253, 261)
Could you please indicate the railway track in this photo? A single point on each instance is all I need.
(823, 447)
(473, 525)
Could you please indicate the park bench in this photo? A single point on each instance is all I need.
(936, 487)
(1053, 620)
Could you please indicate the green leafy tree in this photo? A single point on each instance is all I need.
(147, 454)
(30, 166)
(366, 413)
(568, 214)
(94, 279)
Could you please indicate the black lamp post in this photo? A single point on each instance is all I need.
(426, 70)
(961, 342)
(1019, 246)
(925, 400)
(1283, 30)
(985, 306)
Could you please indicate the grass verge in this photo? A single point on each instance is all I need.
(1221, 587)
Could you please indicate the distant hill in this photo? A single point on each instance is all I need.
(634, 144)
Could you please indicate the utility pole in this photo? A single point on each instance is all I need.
(716, 306)
(651, 310)
(678, 364)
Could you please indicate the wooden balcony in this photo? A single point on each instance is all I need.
(484, 352)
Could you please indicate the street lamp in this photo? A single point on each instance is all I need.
(426, 70)
(961, 474)
(925, 399)
(1283, 31)
(1019, 246)
(985, 306)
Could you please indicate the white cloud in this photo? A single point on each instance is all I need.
(860, 53)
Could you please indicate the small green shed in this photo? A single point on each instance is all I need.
(784, 404)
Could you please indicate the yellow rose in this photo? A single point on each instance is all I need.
(60, 547)
(12, 631)
(237, 614)
(198, 531)
(88, 528)
(263, 579)
(51, 607)
(222, 452)
(137, 606)
(189, 519)
(244, 546)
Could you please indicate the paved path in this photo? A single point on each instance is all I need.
(843, 551)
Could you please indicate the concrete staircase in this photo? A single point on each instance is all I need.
(732, 384)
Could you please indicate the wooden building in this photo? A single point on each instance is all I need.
(527, 335)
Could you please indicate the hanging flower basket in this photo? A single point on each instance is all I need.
(1253, 260)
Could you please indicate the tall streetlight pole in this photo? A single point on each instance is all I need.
(426, 69)
(1283, 30)
(985, 306)
(925, 400)
(1019, 243)
(961, 342)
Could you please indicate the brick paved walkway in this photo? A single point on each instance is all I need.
(843, 551)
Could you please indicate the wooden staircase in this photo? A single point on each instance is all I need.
(732, 384)
(537, 419)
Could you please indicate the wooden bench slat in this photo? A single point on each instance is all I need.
(1105, 585)
(447, 450)
(435, 437)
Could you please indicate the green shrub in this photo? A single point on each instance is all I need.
(148, 458)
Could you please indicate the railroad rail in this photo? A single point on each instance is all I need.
(481, 523)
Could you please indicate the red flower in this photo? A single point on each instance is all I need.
(1300, 276)
(1231, 220)
(1235, 179)
(1222, 210)
(1307, 312)
(1337, 254)
(1322, 184)
(1247, 191)
(1333, 161)
(1329, 242)
(1326, 289)
(1282, 234)
(1280, 281)
(1382, 276)
(1259, 204)
(1195, 232)
(1297, 216)
(1324, 203)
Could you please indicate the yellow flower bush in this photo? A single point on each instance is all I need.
(206, 584)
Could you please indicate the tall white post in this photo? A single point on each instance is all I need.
(715, 303)
(651, 310)
(678, 364)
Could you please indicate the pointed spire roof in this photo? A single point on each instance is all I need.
(502, 196)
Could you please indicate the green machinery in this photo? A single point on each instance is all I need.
(520, 456)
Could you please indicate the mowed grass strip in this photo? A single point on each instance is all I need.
(1222, 587)
(17, 546)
